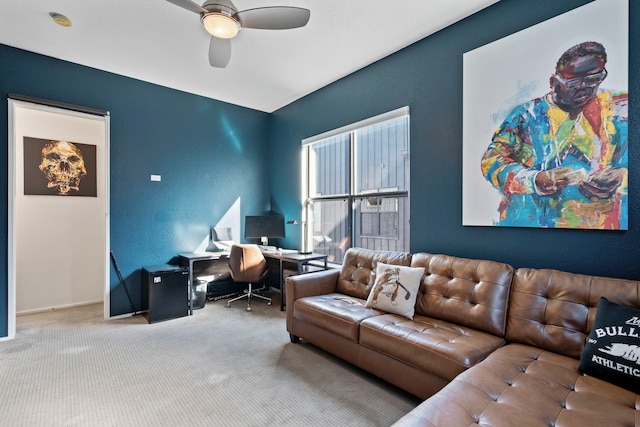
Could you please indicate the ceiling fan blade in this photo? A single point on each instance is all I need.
(219, 52)
(274, 17)
(189, 5)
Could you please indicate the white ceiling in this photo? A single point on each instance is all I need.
(158, 42)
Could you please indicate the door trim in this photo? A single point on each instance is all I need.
(24, 102)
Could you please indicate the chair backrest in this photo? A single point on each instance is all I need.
(468, 292)
(247, 263)
(555, 310)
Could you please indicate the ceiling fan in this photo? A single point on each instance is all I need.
(223, 21)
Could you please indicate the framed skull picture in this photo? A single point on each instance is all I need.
(62, 168)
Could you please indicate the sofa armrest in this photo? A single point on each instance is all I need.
(311, 284)
(306, 285)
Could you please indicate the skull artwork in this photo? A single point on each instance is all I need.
(63, 165)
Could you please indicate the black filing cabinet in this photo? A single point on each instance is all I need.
(165, 292)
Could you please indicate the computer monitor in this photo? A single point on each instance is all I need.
(264, 227)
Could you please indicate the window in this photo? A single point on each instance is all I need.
(356, 187)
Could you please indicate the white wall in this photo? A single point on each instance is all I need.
(60, 247)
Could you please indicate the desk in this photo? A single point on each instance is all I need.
(300, 260)
(191, 258)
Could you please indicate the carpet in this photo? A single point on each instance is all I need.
(219, 367)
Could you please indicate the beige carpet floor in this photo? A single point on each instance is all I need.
(219, 367)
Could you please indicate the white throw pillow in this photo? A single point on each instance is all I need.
(396, 289)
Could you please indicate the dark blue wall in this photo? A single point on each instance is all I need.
(427, 77)
(209, 154)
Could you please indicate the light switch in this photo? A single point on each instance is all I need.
(157, 178)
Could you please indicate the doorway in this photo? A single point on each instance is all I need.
(58, 237)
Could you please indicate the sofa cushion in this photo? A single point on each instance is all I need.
(358, 272)
(555, 310)
(469, 292)
(520, 385)
(612, 352)
(431, 345)
(395, 289)
(337, 313)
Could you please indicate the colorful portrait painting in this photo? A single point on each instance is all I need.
(545, 140)
(56, 167)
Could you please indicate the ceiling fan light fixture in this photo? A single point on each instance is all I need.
(221, 25)
(60, 19)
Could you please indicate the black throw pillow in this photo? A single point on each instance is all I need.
(612, 351)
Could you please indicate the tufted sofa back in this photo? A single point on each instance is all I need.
(468, 292)
(555, 310)
(358, 272)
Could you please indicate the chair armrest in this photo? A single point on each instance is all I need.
(311, 284)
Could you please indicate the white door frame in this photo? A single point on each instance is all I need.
(20, 101)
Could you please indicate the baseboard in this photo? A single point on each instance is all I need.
(57, 307)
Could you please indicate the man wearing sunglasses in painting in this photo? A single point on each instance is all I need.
(561, 160)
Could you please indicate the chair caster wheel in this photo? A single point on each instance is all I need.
(269, 303)
(248, 308)
(227, 305)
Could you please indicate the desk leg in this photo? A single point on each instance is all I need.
(283, 288)
(190, 287)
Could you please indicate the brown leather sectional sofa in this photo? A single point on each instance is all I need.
(487, 345)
